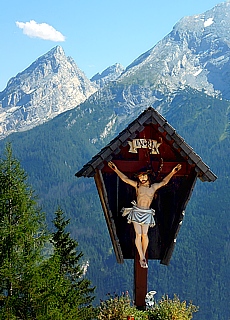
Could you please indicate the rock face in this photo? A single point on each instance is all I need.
(112, 73)
(195, 54)
(48, 87)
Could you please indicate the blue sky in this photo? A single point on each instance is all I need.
(95, 33)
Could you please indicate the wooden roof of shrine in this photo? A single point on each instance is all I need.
(150, 115)
(170, 201)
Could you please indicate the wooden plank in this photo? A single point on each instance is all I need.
(108, 215)
(140, 282)
(185, 194)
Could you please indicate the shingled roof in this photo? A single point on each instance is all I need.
(150, 115)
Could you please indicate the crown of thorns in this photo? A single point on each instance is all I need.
(143, 171)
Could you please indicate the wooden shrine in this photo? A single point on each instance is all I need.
(149, 141)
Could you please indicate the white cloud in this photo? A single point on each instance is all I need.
(40, 30)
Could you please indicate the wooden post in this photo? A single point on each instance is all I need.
(140, 282)
(140, 274)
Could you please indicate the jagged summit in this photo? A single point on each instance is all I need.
(49, 86)
(214, 22)
(111, 73)
(49, 62)
(194, 54)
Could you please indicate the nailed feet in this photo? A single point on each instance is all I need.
(143, 263)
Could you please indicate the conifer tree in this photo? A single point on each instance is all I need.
(21, 238)
(78, 295)
(34, 286)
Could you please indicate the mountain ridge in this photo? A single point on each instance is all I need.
(182, 59)
(194, 54)
(51, 85)
(109, 74)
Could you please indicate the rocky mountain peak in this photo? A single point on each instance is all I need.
(111, 73)
(51, 85)
(194, 54)
(209, 25)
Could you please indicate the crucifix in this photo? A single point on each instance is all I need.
(162, 191)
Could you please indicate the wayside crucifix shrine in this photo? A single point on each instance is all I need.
(150, 142)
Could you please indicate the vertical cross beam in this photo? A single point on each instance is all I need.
(140, 274)
(140, 282)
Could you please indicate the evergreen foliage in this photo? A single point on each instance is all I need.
(79, 293)
(34, 285)
(21, 238)
(65, 247)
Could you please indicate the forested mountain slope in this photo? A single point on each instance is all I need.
(53, 152)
